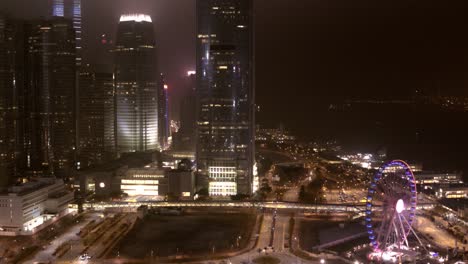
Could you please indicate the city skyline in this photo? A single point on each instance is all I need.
(402, 76)
(233, 131)
(325, 49)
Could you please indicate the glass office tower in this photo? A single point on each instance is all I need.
(71, 9)
(10, 94)
(225, 96)
(163, 113)
(136, 77)
(49, 97)
(96, 110)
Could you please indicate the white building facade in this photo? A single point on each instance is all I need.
(30, 207)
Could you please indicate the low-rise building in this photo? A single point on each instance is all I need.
(452, 191)
(331, 159)
(104, 180)
(430, 178)
(140, 178)
(171, 159)
(158, 182)
(181, 183)
(29, 207)
(145, 181)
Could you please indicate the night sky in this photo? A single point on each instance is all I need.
(309, 53)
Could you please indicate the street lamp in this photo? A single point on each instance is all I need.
(322, 261)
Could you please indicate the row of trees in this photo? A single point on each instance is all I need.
(313, 192)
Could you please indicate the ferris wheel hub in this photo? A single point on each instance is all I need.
(400, 206)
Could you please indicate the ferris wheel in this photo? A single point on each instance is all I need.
(391, 207)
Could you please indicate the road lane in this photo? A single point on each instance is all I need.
(265, 231)
(280, 232)
(46, 254)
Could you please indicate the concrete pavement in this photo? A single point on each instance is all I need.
(291, 195)
(265, 231)
(281, 228)
(46, 254)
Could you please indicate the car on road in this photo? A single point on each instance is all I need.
(84, 257)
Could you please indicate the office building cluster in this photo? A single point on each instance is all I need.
(60, 115)
(37, 101)
(138, 176)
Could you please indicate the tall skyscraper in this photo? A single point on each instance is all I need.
(71, 9)
(184, 139)
(96, 108)
(10, 89)
(225, 95)
(135, 82)
(49, 101)
(163, 114)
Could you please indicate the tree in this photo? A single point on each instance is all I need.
(203, 192)
(266, 189)
(239, 197)
(171, 197)
(302, 193)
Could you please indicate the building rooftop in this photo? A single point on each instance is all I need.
(330, 157)
(131, 160)
(58, 194)
(135, 17)
(30, 186)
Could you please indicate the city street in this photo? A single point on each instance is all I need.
(444, 239)
(100, 246)
(46, 254)
(281, 253)
(281, 228)
(348, 196)
(291, 195)
(103, 242)
(265, 231)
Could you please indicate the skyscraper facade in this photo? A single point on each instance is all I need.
(135, 83)
(49, 97)
(184, 139)
(225, 95)
(10, 94)
(163, 114)
(70, 9)
(96, 110)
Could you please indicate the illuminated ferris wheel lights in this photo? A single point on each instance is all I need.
(393, 189)
(400, 206)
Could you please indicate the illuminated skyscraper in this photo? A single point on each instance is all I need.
(37, 97)
(225, 95)
(135, 82)
(184, 139)
(96, 108)
(70, 9)
(10, 93)
(163, 114)
(49, 97)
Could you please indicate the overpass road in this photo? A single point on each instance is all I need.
(131, 206)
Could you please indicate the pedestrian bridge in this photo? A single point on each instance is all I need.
(323, 208)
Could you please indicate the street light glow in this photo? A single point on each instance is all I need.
(191, 73)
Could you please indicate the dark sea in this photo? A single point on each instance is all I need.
(435, 137)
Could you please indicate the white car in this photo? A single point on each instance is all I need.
(84, 257)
